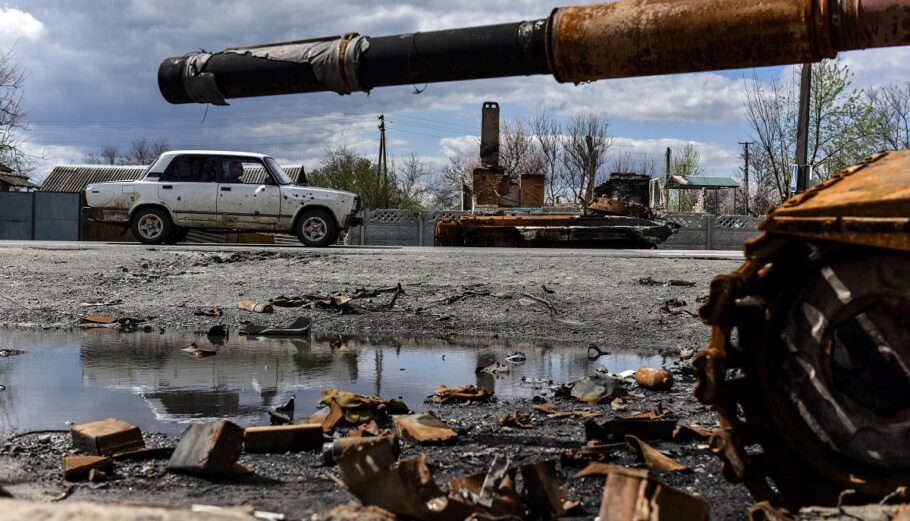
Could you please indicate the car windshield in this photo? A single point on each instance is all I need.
(278, 172)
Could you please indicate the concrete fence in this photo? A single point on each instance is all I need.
(57, 216)
(710, 232)
(697, 232)
(398, 227)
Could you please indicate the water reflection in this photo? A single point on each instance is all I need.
(146, 378)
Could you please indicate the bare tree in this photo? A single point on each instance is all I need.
(446, 189)
(13, 123)
(888, 113)
(411, 177)
(141, 152)
(548, 133)
(584, 151)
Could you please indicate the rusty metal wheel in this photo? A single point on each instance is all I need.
(809, 371)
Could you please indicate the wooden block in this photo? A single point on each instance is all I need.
(107, 436)
(76, 468)
(283, 438)
(207, 449)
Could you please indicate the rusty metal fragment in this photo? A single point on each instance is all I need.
(646, 427)
(631, 495)
(423, 428)
(356, 408)
(198, 352)
(654, 379)
(465, 393)
(517, 420)
(653, 458)
(553, 411)
(256, 307)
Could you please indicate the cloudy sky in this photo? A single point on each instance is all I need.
(91, 81)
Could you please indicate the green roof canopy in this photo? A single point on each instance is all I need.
(691, 182)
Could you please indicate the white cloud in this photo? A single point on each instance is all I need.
(15, 24)
(717, 160)
(464, 146)
(49, 156)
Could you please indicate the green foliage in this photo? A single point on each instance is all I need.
(344, 169)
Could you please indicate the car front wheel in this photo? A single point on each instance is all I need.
(152, 226)
(316, 228)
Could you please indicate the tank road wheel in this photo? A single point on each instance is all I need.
(316, 228)
(809, 372)
(152, 226)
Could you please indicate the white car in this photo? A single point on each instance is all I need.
(215, 190)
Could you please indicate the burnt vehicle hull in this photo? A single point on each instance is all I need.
(568, 231)
(810, 344)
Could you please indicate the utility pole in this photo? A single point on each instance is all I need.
(667, 180)
(746, 173)
(382, 165)
(802, 129)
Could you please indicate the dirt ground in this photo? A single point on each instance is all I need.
(528, 294)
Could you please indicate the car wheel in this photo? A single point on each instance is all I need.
(316, 228)
(152, 226)
(178, 235)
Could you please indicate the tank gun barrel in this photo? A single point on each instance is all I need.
(575, 44)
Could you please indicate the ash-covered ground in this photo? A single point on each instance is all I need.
(621, 300)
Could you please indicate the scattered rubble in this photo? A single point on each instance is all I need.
(648, 281)
(210, 312)
(408, 488)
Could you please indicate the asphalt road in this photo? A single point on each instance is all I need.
(593, 295)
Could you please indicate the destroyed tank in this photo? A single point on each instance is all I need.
(808, 366)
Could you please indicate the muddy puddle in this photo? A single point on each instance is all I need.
(145, 378)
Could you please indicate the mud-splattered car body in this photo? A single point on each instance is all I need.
(217, 190)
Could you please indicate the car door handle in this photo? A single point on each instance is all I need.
(225, 188)
(166, 187)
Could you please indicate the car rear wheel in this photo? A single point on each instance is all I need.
(316, 228)
(152, 226)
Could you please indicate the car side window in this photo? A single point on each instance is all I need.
(240, 171)
(190, 169)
